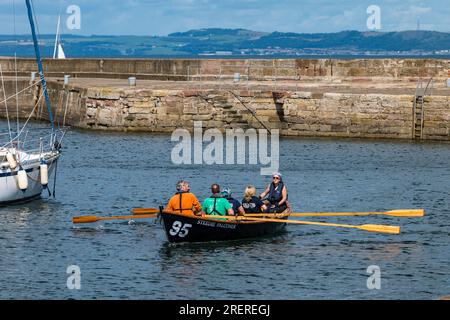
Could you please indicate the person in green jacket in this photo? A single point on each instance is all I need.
(216, 204)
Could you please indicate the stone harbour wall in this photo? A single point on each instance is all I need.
(294, 113)
(364, 116)
(188, 69)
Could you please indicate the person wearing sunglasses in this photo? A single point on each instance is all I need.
(276, 195)
(184, 201)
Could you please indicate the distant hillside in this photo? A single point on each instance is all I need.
(389, 41)
(213, 32)
(238, 42)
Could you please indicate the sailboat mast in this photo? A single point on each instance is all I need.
(56, 38)
(39, 62)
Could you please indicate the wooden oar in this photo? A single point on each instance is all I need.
(139, 214)
(365, 227)
(394, 213)
(144, 210)
(90, 219)
(139, 211)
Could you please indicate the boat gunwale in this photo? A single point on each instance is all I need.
(220, 217)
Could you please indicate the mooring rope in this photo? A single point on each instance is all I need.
(253, 113)
(26, 122)
(15, 64)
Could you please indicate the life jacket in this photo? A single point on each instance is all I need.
(214, 210)
(181, 202)
(275, 194)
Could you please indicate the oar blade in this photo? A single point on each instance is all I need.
(138, 211)
(90, 219)
(406, 213)
(380, 228)
(85, 219)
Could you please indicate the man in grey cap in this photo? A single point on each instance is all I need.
(276, 194)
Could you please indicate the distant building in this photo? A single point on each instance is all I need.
(224, 53)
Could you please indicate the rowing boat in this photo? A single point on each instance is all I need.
(188, 228)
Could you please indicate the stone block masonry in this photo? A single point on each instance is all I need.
(296, 113)
(334, 98)
(185, 69)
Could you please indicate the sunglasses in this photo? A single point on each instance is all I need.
(276, 178)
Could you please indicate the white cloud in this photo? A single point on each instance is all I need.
(414, 10)
(161, 17)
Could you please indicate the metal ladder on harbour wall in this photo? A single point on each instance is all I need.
(418, 109)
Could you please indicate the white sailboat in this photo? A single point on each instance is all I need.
(28, 157)
(58, 52)
(24, 173)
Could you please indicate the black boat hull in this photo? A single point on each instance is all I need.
(182, 228)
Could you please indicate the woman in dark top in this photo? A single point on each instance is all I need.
(276, 195)
(251, 203)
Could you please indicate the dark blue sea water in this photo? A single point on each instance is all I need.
(110, 173)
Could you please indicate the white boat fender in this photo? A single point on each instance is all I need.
(44, 174)
(11, 160)
(23, 179)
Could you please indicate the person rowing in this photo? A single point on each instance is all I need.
(216, 204)
(251, 203)
(184, 201)
(236, 205)
(276, 195)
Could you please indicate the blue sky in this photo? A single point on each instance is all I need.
(160, 17)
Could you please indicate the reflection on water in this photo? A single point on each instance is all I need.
(110, 173)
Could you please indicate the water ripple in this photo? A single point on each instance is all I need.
(110, 173)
